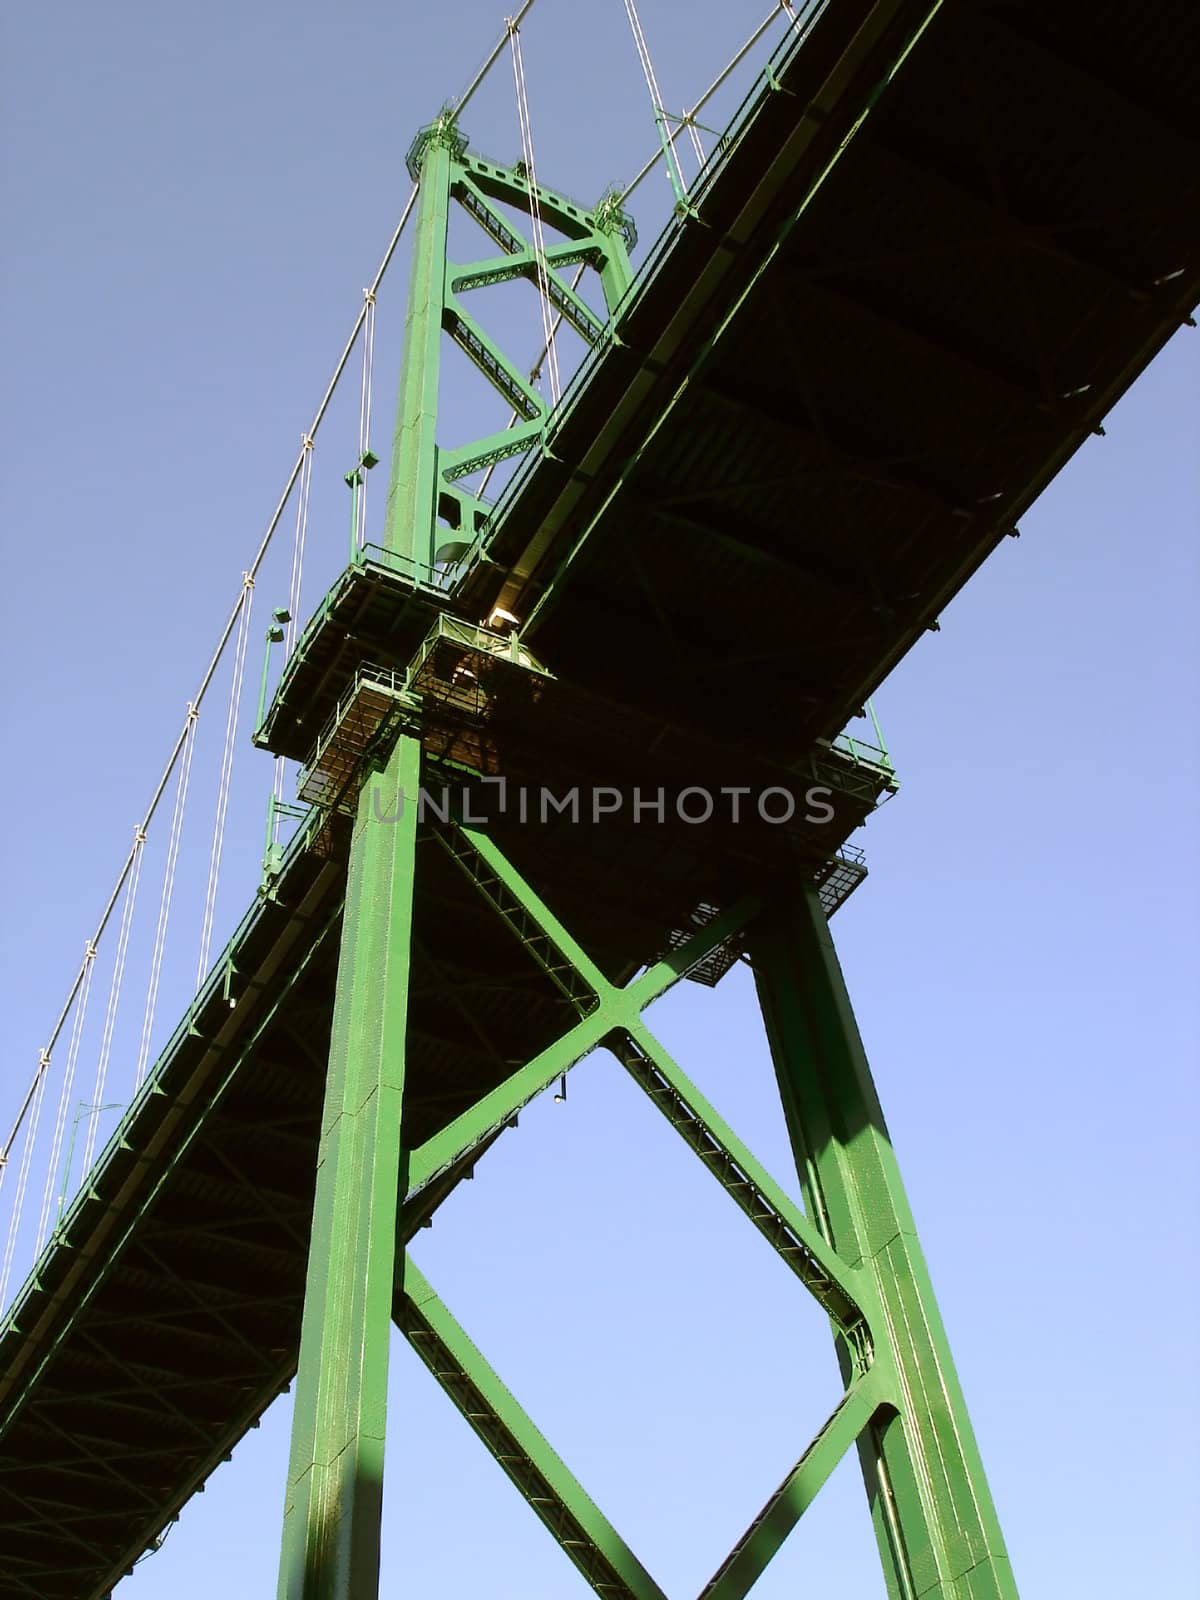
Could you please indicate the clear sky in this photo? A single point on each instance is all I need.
(196, 197)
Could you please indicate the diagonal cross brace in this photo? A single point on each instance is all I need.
(757, 1547)
(611, 1015)
(522, 1451)
(615, 1019)
(836, 1287)
(545, 938)
(559, 1500)
(526, 915)
(427, 494)
(613, 1009)
(562, 297)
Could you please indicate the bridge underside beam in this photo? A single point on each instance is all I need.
(913, 447)
(903, 318)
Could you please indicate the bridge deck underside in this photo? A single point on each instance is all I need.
(166, 1316)
(1005, 242)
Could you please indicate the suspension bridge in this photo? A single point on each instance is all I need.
(586, 713)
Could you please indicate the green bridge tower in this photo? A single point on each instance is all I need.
(548, 860)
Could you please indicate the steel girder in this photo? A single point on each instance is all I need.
(335, 1475)
(428, 483)
(853, 1246)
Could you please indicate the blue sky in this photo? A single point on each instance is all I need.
(201, 197)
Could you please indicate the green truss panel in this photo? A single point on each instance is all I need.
(520, 1449)
(433, 519)
(853, 1248)
(335, 1475)
(852, 1244)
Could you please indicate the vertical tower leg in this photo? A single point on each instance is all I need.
(411, 514)
(934, 1519)
(335, 1476)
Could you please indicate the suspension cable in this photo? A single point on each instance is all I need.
(168, 890)
(674, 170)
(279, 771)
(796, 22)
(114, 1000)
(64, 1099)
(197, 700)
(132, 863)
(534, 373)
(535, 212)
(492, 57)
(798, 25)
(225, 779)
(689, 121)
(364, 422)
(301, 533)
(37, 1094)
(134, 855)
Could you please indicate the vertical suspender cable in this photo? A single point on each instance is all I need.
(364, 416)
(674, 170)
(114, 998)
(223, 783)
(535, 213)
(32, 1097)
(36, 1097)
(64, 1099)
(304, 485)
(697, 146)
(798, 24)
(301, 533)
(168, 889)
(534, 374)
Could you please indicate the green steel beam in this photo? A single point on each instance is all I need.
(432, 516)
(834, 1285)
(571, 1516)
(936, 1526)
(173, 1159)
(542, 935)
(757, 1547)
(561, 957)
(408, 520)
(562, 297)
(855, 1251)
(335, 1479)
(460, 1138)
(614, 1009)
(491, 361)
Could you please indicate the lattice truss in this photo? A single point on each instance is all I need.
(854, 1250)
(598, 239)
(612, 1016)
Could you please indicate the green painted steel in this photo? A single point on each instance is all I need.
(335, 1477)
(855, 1250)
(407, 524)
(937, 1528)
(433, 517)
(833, 1284)
(853, 1246)
(520, 1449)
(754, 1551)
(650, 612)
(616, 1009)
